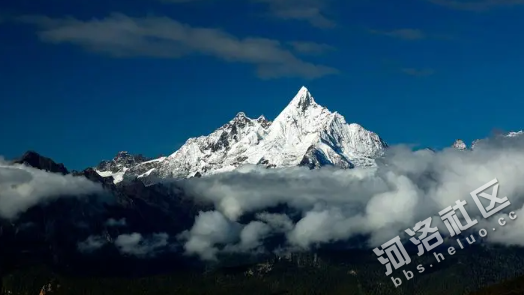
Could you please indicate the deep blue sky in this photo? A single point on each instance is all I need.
(84, 79)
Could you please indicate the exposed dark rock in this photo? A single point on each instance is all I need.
(120, 161)
(38, 161)
(92, 175)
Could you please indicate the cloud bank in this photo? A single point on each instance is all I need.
(336, 205)
(306, 208)
(23, 187)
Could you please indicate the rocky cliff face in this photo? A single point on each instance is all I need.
(35, 160)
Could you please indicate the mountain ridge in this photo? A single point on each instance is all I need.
(303, 134)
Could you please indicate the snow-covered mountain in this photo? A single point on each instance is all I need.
(120, 161)
(308, 133)
(124, 162)
(304, 133)
(223, 150)
(459, 145)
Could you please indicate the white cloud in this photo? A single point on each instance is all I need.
(251, 238)
(330, 204)
(278, 222)
(209, 231)
(336, 205)
(23, 187)
(122, 36)
(138, 245)
(131, 244)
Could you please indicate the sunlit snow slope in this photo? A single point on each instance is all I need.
(304, 133)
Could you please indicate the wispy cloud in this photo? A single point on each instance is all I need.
(161, 37)
(418, 72)
(91, 244)
(393, 66)
(477, 5)
(404, 34)
(311, 11)
(310, 47)
(134, 244)
(137, 245)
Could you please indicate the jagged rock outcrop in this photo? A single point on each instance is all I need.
(38, 161)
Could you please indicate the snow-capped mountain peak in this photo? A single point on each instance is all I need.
(302, 100)
(118, 166)
(218, 151)
(304, 133)
(263, 121)
(122, 160)
(241, 117)
(515, 134)
(305, 130)
(459, 145)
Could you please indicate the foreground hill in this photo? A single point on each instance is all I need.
(509, 287)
